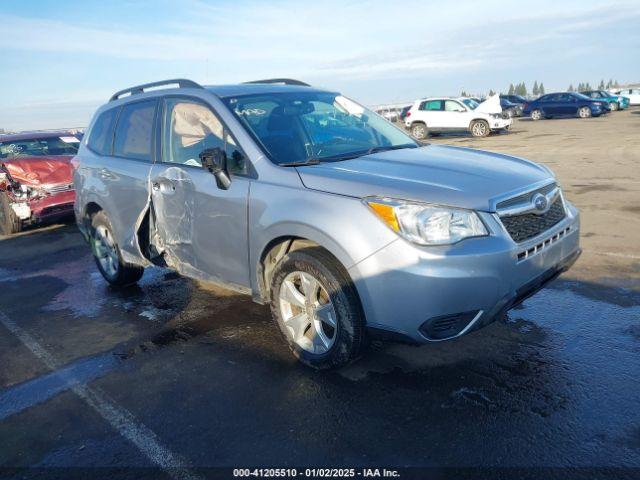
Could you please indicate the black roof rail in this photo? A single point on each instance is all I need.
(181, 82)
(284, 81)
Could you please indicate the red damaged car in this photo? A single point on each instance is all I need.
(36, 183)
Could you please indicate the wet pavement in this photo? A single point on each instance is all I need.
(174, 373)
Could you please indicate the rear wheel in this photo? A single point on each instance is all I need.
(107, 254)
(584, 112)
(480, 128)
(9, 221)
(419, 131)
(536, 115)
(315, 304)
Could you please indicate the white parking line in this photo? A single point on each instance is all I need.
(614, 254)
(118, 417)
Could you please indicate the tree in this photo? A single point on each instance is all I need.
(541, 89)
(463, 94)
(491, 93)
(588, 86)
(511, 89)
(580, 87)
(616, 84)
(570, 89)
(522, 89)
(535, 88)
(601, 85)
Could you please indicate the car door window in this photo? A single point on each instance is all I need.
(189, 128)
(453, 106)
(134, 131)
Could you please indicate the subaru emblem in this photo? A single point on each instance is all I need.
(539, 202)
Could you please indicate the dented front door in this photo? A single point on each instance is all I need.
(201, 228)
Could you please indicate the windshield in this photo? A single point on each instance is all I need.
(65, 145)
(472, 104)
(309, 127)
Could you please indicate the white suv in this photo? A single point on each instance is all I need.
(455, 115)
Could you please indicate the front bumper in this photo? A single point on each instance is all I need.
(51, 207)
(500, 123)
(411, 292)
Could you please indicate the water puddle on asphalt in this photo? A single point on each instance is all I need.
(569, 321)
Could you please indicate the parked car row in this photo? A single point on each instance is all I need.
(582, 105)
(633, 94)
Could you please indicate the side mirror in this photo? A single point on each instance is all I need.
(215, 160)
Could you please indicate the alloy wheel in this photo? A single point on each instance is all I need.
(584, 112)
(419, 131)
(307, 312)
(479, 129)
(105, 251)
(536, 115)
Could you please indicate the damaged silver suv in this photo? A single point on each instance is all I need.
(313, 204)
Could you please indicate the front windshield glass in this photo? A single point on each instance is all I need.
(65, 145)
(307, 127)
(469, 102)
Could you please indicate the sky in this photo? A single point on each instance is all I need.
(62, 59)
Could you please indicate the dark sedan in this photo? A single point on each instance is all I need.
(517, 99)
(564, 104)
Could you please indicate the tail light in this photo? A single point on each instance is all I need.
(526, 105)
(408, 114)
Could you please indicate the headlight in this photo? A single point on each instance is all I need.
(427, 224)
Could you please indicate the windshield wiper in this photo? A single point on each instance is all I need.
(380, 148)
(384, 148)
(303, 163)
(347, 156)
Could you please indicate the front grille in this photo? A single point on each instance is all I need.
(52, 190)
(525, 197)
(529, 225)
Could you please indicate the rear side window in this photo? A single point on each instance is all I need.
(436, 105)
(101, 135)
(134, 131)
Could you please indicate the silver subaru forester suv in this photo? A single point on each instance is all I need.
(310, 202)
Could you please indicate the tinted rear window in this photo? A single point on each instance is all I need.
(134, 131)
(101, 135)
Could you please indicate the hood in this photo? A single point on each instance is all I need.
(37, 171)
(455, 176)
(490, 105)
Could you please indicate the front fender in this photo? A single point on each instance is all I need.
(342, 225)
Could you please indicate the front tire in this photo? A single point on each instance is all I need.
(107, 255)
(584, 112)
(479, 128)
(9, 221)
(419, 131)
(316, 307)
(536, 115)
(614, 106)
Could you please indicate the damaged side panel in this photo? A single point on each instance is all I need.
(195, 228)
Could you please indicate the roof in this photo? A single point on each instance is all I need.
(14, 137)
(224, 91)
